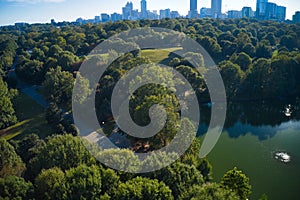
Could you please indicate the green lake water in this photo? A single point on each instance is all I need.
(253, 133)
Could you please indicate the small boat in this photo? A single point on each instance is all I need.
(288, 110)
(283, 157)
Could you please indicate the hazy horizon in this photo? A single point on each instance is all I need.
(42, 11)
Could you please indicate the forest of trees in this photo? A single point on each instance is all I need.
(257, 60)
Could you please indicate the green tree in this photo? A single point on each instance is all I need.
(83, 182)
(51, 184)
(66, 60)
(26, 147)
(211, 191)
(232, 76)
(31, 71)
(15, 188)
(263, 51)
(210, 45)
(63, 151)
(10, 163)
(143, 188)
(243, 60)
(59, 86)
(288, 41)
(109, 181)
(238, 182)
(7, 112)
(124, 159)
(258, 79)
(179, 177)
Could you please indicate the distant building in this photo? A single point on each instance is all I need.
(165, 14)
(261, 7)
(175, 14)
(216, 8)
(115, 17)
(270, 13)
(127, 10)
(135, 15)
(296, 17)
(233, 14)
(193, 12)
(79, 20)
(53, 22)
(281, 13)
(223, 16)
(205, 12)
(21, 24)
(105, 17)
(247, 12)
(153, 15)
(144, 13)
(97, 19)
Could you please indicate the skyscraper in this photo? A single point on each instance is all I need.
(127, 10)
(261, 7)
(296, 17)
(247, 12)
(216, 8)
(281, 13)
(271, 10)
(144, 9)
(193, 5)
(193, 13)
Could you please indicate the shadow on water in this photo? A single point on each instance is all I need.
(260, 118)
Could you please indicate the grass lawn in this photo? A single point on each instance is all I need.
(161, 56)
(31, 118)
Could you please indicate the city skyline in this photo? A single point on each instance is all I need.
(40, 11)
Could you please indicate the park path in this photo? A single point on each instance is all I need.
(116, 137)
(29, 90)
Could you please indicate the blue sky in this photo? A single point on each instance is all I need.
(33, 11)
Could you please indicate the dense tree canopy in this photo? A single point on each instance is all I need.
(143, 188)
(7, 112)
(10, 162)
(238, 182)
(257, 60)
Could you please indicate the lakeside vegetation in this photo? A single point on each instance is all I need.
(257, 60)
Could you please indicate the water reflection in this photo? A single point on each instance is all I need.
(262, 119)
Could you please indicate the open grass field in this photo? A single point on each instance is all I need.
(31, 118)
(161, 56)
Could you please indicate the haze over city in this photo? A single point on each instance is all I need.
(41, 11)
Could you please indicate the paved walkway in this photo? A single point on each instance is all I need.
(29, 90)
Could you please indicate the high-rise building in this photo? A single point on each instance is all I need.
(165, 14)
(97, 19)
(175, 14)
(216, 8)
(193, 13)
(296, 17)
(270, 13)
(261, 6)
(115, 17)
(233, 14)
(281, 13)
(105, 17)
(275, 12)
(247, 12)
(153, 15)
(144, 9)
(127, 10)
(205, 12)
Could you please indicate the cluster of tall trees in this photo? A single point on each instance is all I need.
(257, 59)
(60, 167)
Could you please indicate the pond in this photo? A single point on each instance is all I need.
(263, 140)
